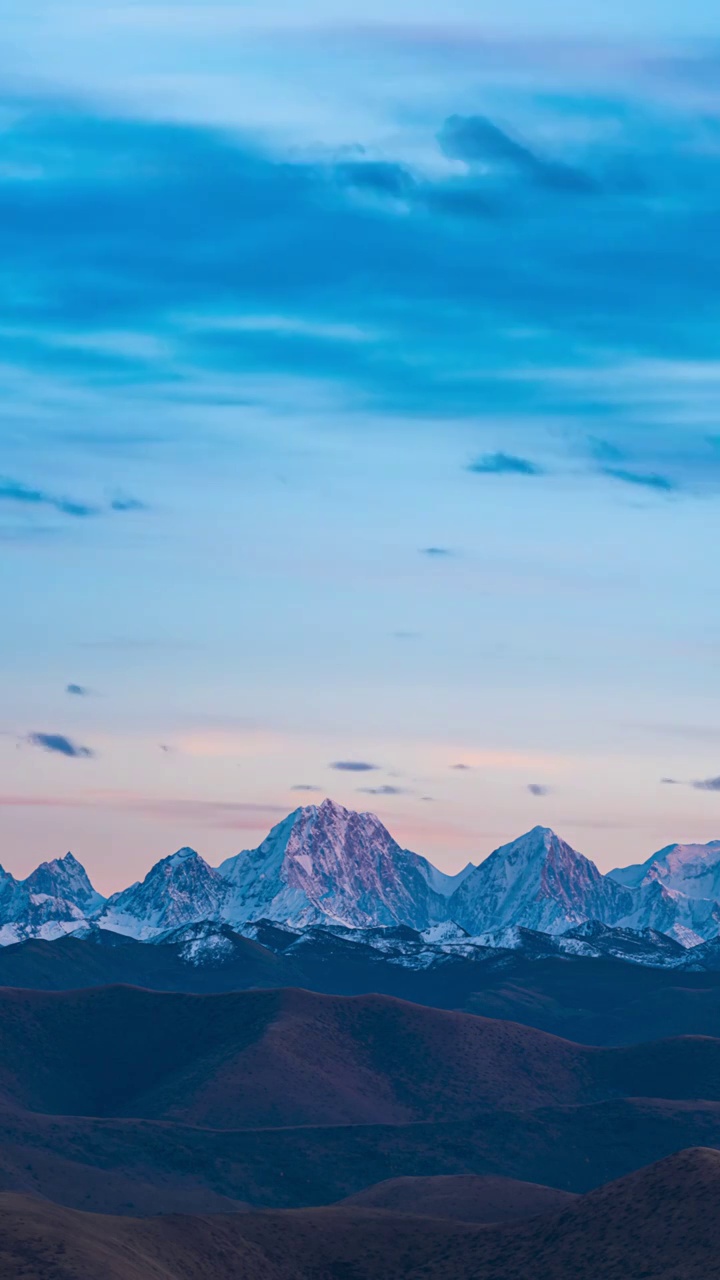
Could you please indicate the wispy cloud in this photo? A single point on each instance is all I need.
(24, 495)
(642, 480)
(354, 766)
(503, 464)
(59, 744)
(305, 786)
(446, 319)
(461, 768)
(380, 177)
(127, 504)
(697, 784)
(386, 790)
(77, 690)
(538, 789)
(477, 140)
(437, 553)
(226, 814)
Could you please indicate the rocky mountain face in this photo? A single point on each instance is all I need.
(327, 863)
(328, 869)
(55, 899)
(178, 890)
(689, 920)
(537, 882)
(691, 869)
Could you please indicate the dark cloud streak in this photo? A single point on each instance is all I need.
(59, 745)
(24, 495)
(661, 484)
(354, 766)
(503, 464)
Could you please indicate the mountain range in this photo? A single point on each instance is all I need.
(329, 867)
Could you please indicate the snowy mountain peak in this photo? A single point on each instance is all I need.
(185, 854)
(328, 806)
(537, 882)
(694, 869)
(329, 866)
(65, 879)
(325, 863)
(179, 889)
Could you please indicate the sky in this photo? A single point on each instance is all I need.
(360, 427)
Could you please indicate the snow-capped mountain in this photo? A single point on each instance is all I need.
(669, 911)
(691, 869)
(538, 882)
(329, 864)
(56, 898)
(327, 870)
(181, 889)
(639, 946)
(65, 878)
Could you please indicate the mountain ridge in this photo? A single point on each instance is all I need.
(325, 865)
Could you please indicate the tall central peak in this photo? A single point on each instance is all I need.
(328, 863)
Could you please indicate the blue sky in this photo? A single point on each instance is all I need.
(361, 404)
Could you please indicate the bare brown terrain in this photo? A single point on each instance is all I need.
(126, 1101)
(287, 1057)
(592, 1001)
(463, 1197)
(661, 1222)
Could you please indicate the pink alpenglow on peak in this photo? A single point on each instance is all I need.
(327, 863)
(539, 882)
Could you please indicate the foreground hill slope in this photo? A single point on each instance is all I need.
(463, 1198)
(143, 1167)
(660, 1222)
(288, 1057)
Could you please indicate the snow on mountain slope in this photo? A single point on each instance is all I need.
(65, 878)
(654, 906)
(539, 882)
(439, 881)
(691, 869)
(201, 943)
(181, 889)
(325, 864)
(55, 899)
(639, 946)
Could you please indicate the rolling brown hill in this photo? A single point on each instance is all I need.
(592, 1001)
(463, 1198)
(135, 1102)
(289, 1057)
(141, 1166)
(661, 1222)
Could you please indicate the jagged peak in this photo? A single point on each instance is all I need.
(329, 809)
(332, 806)
(537, 841)
(70, 859)
(186, 854)
(67, 861)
